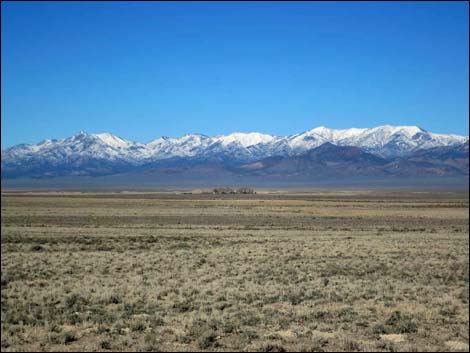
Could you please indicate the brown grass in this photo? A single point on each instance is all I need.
(350, 271)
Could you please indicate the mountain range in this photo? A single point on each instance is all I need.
(384, 151)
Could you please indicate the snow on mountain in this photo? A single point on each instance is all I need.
(386, 141)
(243, 139)
(82, 145)
(113, 141)
(189, 145)
(331, 134)
(238, 146)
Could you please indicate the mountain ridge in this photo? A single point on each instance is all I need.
(105, 153)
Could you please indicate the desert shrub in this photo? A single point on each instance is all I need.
(182, 245)
(318, 342)
(347, 314)
(183, 306)
(387, 346)
(250, 319)
(157, 321)
(73, 318)
(37, 247)
(402, 322)
(207, 339)
(464, 295)
(185, 339)
(68, 337)
(100, 315)
(229, 326)
(105, 344)
(249, 335)
(320, 315)
(75, 302)
(128, 310)
(380, 329)
(115, 298)
(152, 344)
(351, 345)
(204, 332)
(270, 347)
(449, 310)
(138, 326)
(397, 322)
(6, 278)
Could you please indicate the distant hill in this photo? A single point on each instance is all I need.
(327, 160)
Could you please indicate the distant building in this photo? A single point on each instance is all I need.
(230, 191)
(245, 191)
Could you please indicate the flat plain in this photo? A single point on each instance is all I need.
(313, 271)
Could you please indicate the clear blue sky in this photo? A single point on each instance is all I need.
(141, 70)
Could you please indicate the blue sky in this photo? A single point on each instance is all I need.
(145, 69)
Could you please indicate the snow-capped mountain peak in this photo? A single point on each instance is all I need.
(112, 140)
(391, 130)
(244, 139)
(332, 134)
(80, 135)
(386, 141)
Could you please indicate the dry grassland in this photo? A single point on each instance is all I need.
(349, 271)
